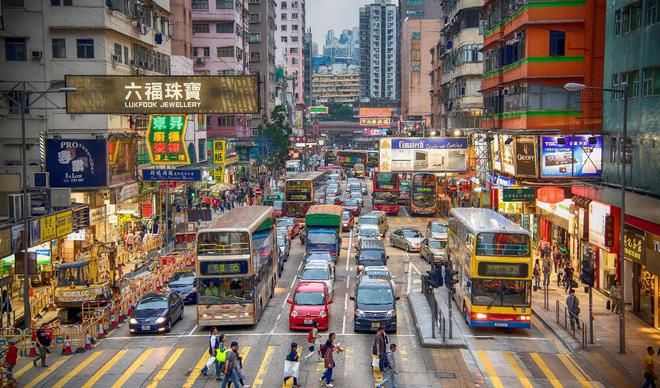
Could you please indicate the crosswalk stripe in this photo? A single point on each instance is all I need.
(77, 369)
(524, 381)
(196, 371)
(378, 375)
(105, 368)
(497, 383)
(264, 366)
(166, 368)
(23, 370)
(131, 369)
(546, 371)
(46, 373)
(578, 376)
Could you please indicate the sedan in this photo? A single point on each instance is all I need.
(357, 195)
(183, 283)
(333, 201)
(433, 250)
(156, 313)
(409, 239)
(290, 224)
(310, 304)
(283, 246)
(347, 221)
(353, 206)
(436, 229)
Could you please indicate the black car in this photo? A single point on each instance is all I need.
(370, 252)
(375, 305)
(156, 313)
(183, 283)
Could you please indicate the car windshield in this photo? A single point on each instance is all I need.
(409, 233)
(152, 303)
(378, 274)
(345, 216)
(285, 222)
(437, 244)
(319, 256)
(372, 295)
(308, 299)
(351, 202)
(315, 274)
(278, 205)
(438, 228)
(369, 232)
(368, 221)
(371, 254)
(321, 238)
(182, 279)
(356, 195)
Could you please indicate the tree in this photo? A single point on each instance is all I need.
(273, 138)
(338, 112)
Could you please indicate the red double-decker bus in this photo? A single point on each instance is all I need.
(386, 192)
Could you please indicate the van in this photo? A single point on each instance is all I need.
(375, 305)
(377, 218)
(370, 252)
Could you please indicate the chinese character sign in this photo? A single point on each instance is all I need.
(375, 121)
(165, 139)
(77, 163)
(219, 151)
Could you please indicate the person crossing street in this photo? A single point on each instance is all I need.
(390, 371)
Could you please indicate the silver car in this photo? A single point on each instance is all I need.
(377, 272)
(436, 229)
(321, 272)
(409, 239)
(433, 250)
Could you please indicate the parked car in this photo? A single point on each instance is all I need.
(375, 305)
(357, 195)
(183, 283)
(290, 225)
(409, 239)
(320, 272)
(310, 303)
(437, 230)
(156, 313)
(353, 206)
(433, 250)
(347, 221)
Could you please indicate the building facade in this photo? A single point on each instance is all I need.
(420, 9)
(336, 83)
(289, 39)
(262, 51)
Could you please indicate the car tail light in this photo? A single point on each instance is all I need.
(480, 316)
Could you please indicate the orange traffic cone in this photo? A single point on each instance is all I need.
(51, 303)
(67, 346)
(101, 333)
(33, 346)
(113, 321)
(88, 341)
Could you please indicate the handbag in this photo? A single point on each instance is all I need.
(608, 305)
(375, 362)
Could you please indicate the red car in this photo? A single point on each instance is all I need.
(311, 303)
(347, 220)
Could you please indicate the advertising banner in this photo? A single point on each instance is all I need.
(633, 244)
(157, 94)
(77, 163)
(525, 156)
(600, 222)
(508, 165)
(48, 228)
(172, 175)
(219, 150)
(375, 112)
(375, 122)
(319, 109)
(5, 242)
(423, 154)
(64, 223)
(577, 156)
(523, 194)
(165, 139)
(35, 232)
(496, 151)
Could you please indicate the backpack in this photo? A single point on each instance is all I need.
(383, 363)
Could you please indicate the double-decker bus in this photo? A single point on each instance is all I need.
(301, 192)
(348, 158)
(236, 267)
(493, 257)
(404, 192)
(386, 192)
(423, 199)
(373, 158)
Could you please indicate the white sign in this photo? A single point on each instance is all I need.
(560, 209)
(423, 154)
(597, 222)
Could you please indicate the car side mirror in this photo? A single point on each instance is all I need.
(289, 301)
(329, 301)
(351, 297)
(387, 257)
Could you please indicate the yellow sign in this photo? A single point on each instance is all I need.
(219, 151)
(48, 228)
(5, 242)
(219, 175)
(231, 160)
(64, 223)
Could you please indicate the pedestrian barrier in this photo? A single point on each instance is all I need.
(565, 319)
(436, 314)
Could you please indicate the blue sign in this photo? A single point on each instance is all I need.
(576, 156)
(172, 175)
(77, 163)
(447, 143)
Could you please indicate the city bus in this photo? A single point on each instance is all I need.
(404, 192)
(236, 267)
(301, 192)
(386, 192)
(493, 257)
(423, 194)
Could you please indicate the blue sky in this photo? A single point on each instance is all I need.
(323, 15)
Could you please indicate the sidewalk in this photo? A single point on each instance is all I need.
(611, 366)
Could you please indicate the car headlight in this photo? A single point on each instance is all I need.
(132, 321)
(323, 314)
(391, 313)
(359, 313)
(294, 313)
(160, 320)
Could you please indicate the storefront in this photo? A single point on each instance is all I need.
(601, 240)
(554, 222)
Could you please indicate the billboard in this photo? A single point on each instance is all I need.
(525, 156)
(162, 94)
(172, 175)
(375, 112)
(576, 156)
(165, 139)
(375, 122)
(508, 165)
(77, 163)
(318, 109)
(423, 154)
(497, 153)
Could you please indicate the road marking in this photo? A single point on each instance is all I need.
(46, 373)
(166, 368)
(194, 374)
(294, 334)
(348, 361)
(495, 380)
(562, 350)
(300, 266)
(343, 320)
(193, 330)
(293, 281)
(263, 367)
(131, 369)
(288, 294)
(77, 369)
(515, 365)
(350, 247)
(101, 372)
(22, 371)
(578, 376)
(546, 371)
(509, 338)
(276, 321)
(348, 279)
(378, 375)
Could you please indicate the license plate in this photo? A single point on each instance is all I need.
(146, 327)
(308, 321)
(375, 325)
(501, 324)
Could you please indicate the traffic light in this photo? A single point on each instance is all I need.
(435, 276)
(587, 276)
(450, 277)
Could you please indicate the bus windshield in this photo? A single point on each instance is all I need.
(223, 243)
(385, 198)
(386, 181)
(501, 293)
(298, 190)
(322, 238)
(502, 244)
(423, 199)
(225, 290)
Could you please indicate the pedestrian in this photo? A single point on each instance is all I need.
(213, 346)
(312, 339)
(573, 307)
(222, 206)
(43, 342)
(560, 272)
(328, 350)
(615, 295)
(390, 369)
(547, 267)
(10, 358)
(380, 346)
(545, 251)
(292, 357)
(220, 356)
(568, 276)
(231, 369)
(537, 275)
(649, 369)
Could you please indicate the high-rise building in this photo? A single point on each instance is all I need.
(379, 51)
(420, 9)
(220, 46)
(346, 46)
(262, 51)
(339, 83)
(307, 54)
(290, 19)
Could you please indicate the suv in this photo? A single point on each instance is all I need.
(370, 252)
(375, 305)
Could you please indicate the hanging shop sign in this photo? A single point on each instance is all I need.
(64, 223)
(503, 181)
(510, 207)
(375, 112)
(77, 163)
(423, 154)
(633, 244)
(525, 156)
(574, 156)
(601, 225)
(519, 194)
(35, 232)
(375, 121)
(496, 151)
(96, 215)
(165, 139)
(17, 236)
(5, 242)
(374, 132)
(48, 228)
(162, 94)
(319, 109)
(508, 158)
(219, 175)
(127, 192)
(652, 254)
(172, 175)
(80, 218)
(231, 159)
(219, 151)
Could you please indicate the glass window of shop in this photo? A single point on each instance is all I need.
(607, 269)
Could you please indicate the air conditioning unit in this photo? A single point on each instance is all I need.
(60, 198)
(37, 54)
(15, 207)
(115, 58)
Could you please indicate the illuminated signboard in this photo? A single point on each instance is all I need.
(375, 121)
(232, 267)
(162, 94)
(219, 151)
(319, 109)
(503, 270)
(575, 156)
(423, 154)
(165, 139)
(374, 132)
(375, 112)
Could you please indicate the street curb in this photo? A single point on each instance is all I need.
(571, 347)
(450, 344)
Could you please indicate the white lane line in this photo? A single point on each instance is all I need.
(232, 334)
(350, 245)
(193, 330)
(293, 281)
(343, 320)
(300, 265)
(286, 298)
(348, 280)
(510, 338)
(415, 268)
(275, 325)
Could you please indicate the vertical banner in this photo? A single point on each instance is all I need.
(219, 151)
(165, 139)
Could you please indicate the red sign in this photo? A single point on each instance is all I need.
(147, 210)
(258, 192)
(375, 112)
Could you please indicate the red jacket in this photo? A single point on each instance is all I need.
(12, 355)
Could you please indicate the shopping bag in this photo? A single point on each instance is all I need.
(210, 362)
(291, 368)
(375, 362)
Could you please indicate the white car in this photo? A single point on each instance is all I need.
(377, 272)
(320, 272)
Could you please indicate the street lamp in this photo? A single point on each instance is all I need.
(623, 145)
(23, 103)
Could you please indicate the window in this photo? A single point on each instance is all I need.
(13, 4)
(283, 5)
(632, 79)
(635, 16)
(201, 52)
(626, 20)
(283, 16)
(652, 15)
(59, 48)
(294, 61)
(615, 85)
(294, 39)
(200, 4)
(557, 43)
(294, 4)
(283, 27)
(255, 18)
(255, 56)
(284, 39)
(617, 22)
(226, 52)
(125, 55)
(118, 51)
(294, 27)
(294, 16)
(85, 48)
(224, 28)
(255, 37)
(224, 4)
(225, 121)
(651, 81)
(200, 28)
(16, 49)
(293, 50)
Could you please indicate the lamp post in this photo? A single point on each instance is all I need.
(623, 145)
(22, 102)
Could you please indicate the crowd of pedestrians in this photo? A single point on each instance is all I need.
(226, 361)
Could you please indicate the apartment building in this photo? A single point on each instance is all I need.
(289, 39)
(337, 83)
(262, 50)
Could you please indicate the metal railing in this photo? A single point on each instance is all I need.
(436, 314)
(577, 329)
